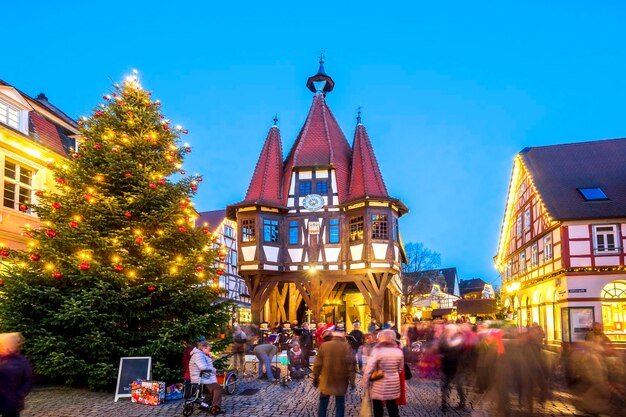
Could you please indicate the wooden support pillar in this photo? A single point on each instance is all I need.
(295, 298)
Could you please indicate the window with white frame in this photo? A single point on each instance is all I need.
(522, 262)
(508, 272)
(228, 231)
(547, 248)
(9, 115)
(527, 219)
(18, 186)
(534, 255)
(606, 240)
(519, 226)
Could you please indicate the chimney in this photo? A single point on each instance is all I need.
(42, 97)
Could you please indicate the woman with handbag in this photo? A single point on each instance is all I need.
(382, 374)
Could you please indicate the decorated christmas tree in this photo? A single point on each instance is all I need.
(118, 267)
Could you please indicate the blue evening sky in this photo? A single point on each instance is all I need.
(451, 91)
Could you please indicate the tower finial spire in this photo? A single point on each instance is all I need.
(358, 115)
(322, 56)
(321, 82)
(275, 119)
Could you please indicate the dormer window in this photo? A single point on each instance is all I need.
(9, 115)
(593, 194)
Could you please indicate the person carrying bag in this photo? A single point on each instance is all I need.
(389, 360)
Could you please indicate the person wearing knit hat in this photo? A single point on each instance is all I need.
(385, 357)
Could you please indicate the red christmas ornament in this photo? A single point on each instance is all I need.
(80, 123)
(98, 114)
(128, 174)
(105, 97)
(88, 196)
(73, 225)
(38, 193)
(199, 179)
(199, 267)
(4, 252)
(183, 206)
(166, 127)
(35, 257)
(158, 103)
(205, 231)
(183, 173)
(216, 240)
(56, 206)
(152, 185)
(185, 131)
(128, 214)
(57, 275)
(84, 266)
(51, 233)
(162, 181)
(182, 229)
(220, 272)
(188, 150)
(119, 268)
(114, 149)
(151, 288)
(130, 112)
(222, 256)
(23, 207)
(61, 180)
(139, 240)
(75, 155)
(98, 146)
(194, 188)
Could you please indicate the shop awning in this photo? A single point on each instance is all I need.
(479, 306)
(440, 312)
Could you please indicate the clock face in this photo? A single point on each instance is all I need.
(313, 202)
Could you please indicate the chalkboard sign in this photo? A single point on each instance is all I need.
(132, 368)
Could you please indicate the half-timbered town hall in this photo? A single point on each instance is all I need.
(318, 231)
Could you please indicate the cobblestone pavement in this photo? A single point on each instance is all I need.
(298, 398)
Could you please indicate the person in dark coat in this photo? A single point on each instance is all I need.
(451, 348)
(356, 341)
(306, 343)
(333, 370)
(16, 375)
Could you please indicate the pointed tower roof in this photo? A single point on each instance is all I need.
(266, 184)
(365, 178)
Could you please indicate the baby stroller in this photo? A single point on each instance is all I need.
(194, 394)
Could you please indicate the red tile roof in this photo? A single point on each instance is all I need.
(559, 170)
(321, 143)
(365, 178)
(266, 184)
(46, 133)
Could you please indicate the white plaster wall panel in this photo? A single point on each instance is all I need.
(321, 173)
(556, 235)
(271, 253)
(357, 252)
(333, 180)
(335, 200)
(358, 266)
(248, 253)
(293, 211)
(557, 264)
(270, 267)
(396, 250)
(380, 250)
(306, 257)
(306, 223)
(578, 231)
(247, 267)
(319, 267)
(579, 248)
(320, 258)
(293, 268)
(556, 251)
(295, 254)
(623, 229)
(333, 209)
(306, 175)
(577, 262)
(325, 200)
(290, 201)
(548, 268)
(332, 254)
(379, 265)
(292, 184)
(300, 200)
(607, 260)
(333, 267)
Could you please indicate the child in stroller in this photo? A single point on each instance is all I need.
(297, 367)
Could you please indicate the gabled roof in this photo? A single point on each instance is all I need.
(212, 218)
(471, 285)
(445, 276)
(266, 184)
(558, 171)
(321, 143)
(365, 178)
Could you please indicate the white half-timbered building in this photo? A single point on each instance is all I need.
(561, 249)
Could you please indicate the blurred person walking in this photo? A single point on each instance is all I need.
(333, 371)
(16, 375)
(356, 342)
(451, 347)
(240, 340)
(385, 357)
